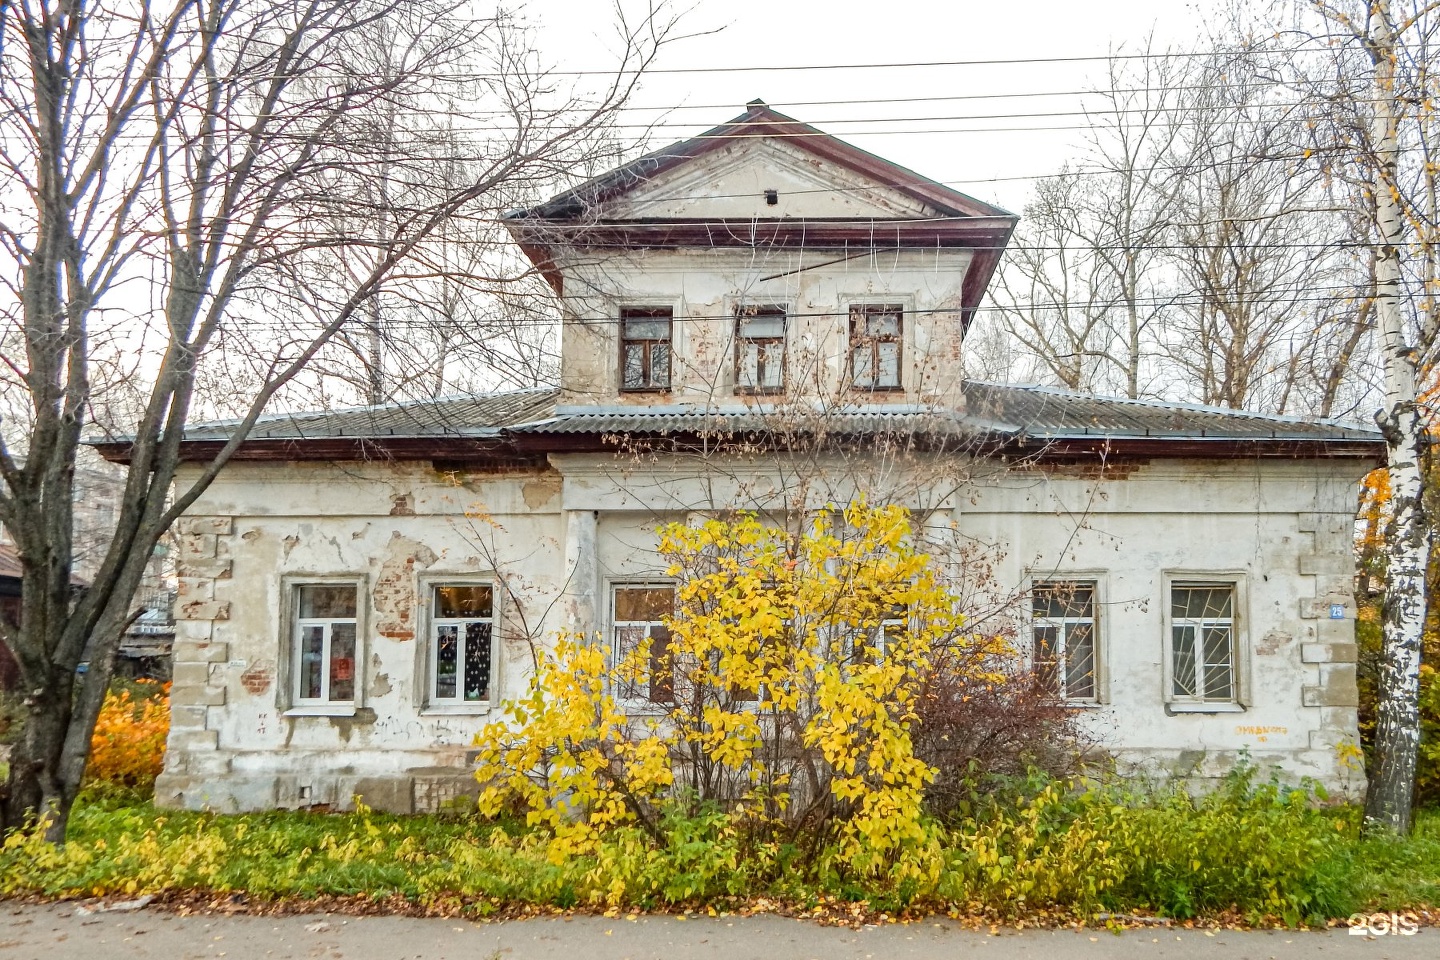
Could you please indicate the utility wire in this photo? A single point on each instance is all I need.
(927, 64)
(1176, 300)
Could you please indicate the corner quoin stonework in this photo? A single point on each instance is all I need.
(1329, 647)
(192, 751)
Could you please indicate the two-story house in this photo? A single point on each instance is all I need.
(762, 317)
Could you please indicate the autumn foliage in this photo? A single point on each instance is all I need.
(784, 691)
(128, 746)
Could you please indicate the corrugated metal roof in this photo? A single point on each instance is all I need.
(739, 420)
(473, 415)
(1020, 411)
(1050, 413)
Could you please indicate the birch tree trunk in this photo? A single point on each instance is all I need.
(1407, 534)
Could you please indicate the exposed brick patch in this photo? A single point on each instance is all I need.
(395, 593)
(258, 677)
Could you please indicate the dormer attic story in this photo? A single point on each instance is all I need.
(763, 258)
(814, 191)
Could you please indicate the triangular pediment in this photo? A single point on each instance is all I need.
(733, 182)
(725, 172)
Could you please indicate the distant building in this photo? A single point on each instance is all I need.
(145, 649)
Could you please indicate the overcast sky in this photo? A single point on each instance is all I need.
(771, 33)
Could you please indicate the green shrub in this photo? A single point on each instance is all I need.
(1261, 849)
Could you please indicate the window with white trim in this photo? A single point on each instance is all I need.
(1203, 645)
(462, 618)
(873, 644)
(325, 643)
(640, 641)
(1063, 633)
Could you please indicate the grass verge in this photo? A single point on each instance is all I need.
(1265, 860)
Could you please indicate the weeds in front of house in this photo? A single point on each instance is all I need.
(1256, 850)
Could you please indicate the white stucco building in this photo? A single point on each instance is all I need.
(761, 317)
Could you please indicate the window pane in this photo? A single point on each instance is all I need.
(1218, 675)
(1183, 643)
(1080, 662)
(749, 370)
(889, 373)
(647, 329)
(634, 364)
(861, 366)
(662, 679)
(1047, 641)
(763, 326)
(447, 656)
(883, 324)
(660, 365)
(312, 661)
(327, 602)
(645, 604)
(627, 641)
(1203, 603)
(477, 661)
(773, 361)
(342, 661)
(463, 602)
(1059, 599)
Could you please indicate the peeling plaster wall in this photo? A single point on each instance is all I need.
(704, 287)
(1283, 528)
(234, 745)
(562, 537)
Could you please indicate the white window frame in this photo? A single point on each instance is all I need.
(431, 668)
(1063, 626)
(296, 705)
(634, 704)
(1239, 641)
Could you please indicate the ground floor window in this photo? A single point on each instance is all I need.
(461, 648)
(641, 641)
(1063, 632)
(1202, 642)
(325, 642)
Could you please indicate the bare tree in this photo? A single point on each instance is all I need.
(1257, 239)
(1085, 283)
(203, 150)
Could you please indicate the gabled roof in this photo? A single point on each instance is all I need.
(511, 427)
(757, 122)
(577, 216)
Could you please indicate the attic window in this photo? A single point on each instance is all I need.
(772, 197)
(875, 344)
(645, 336)
(760, 350)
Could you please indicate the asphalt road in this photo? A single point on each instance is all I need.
(58, 933)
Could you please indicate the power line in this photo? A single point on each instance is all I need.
(1013, 95)
(1176, 300)
(1098, 112)
(926, 64)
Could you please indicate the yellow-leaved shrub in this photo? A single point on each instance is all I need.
(783, 693)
